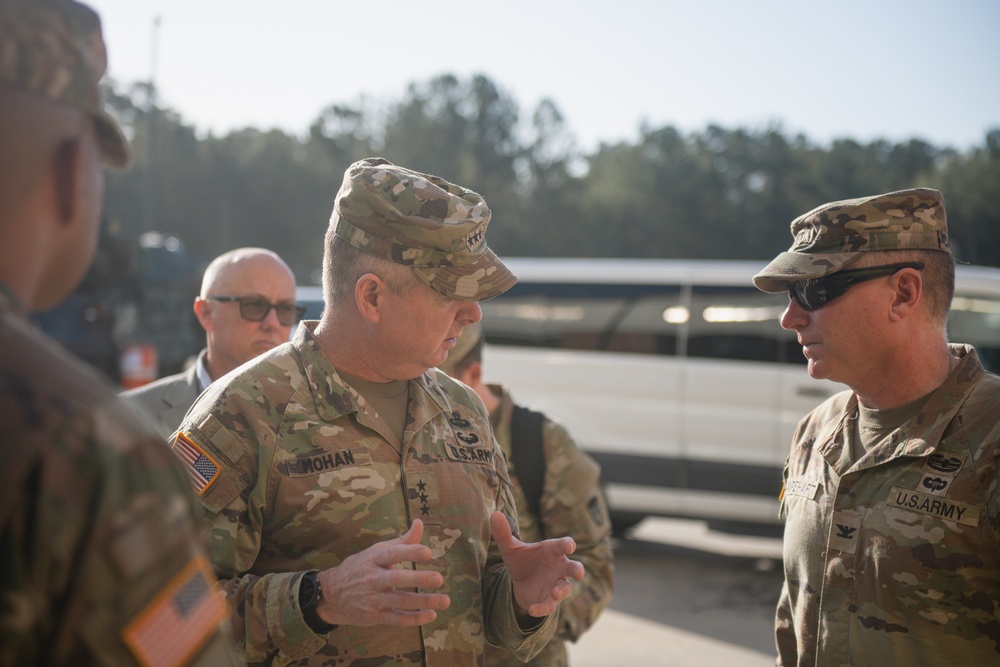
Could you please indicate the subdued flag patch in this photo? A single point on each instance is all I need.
(201, 468)
(174, 626)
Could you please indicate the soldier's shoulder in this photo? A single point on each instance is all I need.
(262, 386)
(57, 408)
(988, 389)
(980, 416)
(46, 392)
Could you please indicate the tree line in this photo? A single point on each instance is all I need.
(719, 193)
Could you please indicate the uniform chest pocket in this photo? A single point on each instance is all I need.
(328, 484)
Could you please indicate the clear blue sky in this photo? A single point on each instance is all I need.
(862, 69)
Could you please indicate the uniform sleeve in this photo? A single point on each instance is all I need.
(266, 614)
(983, 429)
(499, 618)
(784, 619)
(784, 630)
(191, 580)
(573, 505)
(100, 547)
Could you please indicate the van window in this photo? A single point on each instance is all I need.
(740, 323)
(642, 319)
(975, 319)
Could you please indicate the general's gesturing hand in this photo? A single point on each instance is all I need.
(541, 573)
(369, 588)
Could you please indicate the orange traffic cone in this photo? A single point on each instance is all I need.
(138, 365)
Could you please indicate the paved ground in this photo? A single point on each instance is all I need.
(686, 597)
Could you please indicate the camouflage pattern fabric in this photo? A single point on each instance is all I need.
(54, 49)
(97, 536)
(894, 559)
(298, 478)
(833, 236)
(572, 504)
(436, 228)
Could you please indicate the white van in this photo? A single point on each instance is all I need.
(676, 376)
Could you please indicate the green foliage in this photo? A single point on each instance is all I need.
(716, 193)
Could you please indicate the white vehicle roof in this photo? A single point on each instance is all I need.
(682, 271)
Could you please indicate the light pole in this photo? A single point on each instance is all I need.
(149, 199)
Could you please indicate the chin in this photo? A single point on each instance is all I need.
(815, 369)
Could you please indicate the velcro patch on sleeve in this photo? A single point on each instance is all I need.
(201, 468)
(172, 628)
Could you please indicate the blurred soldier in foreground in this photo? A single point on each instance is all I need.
(351, 495)
(246, 307)
(892, 524)
(558, 492)
(101, 562)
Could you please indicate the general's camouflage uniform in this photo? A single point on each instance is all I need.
(573, 505)
(98, 545)
(297, 477)
(894, 559)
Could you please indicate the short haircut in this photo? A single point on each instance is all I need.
(343, 265)
(938, 275)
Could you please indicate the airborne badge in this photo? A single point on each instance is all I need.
(939, 472)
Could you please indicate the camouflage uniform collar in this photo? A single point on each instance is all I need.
(921, 435)
(332, 395)
(927, 428)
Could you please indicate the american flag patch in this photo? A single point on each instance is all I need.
(201, 468)
(174, 626)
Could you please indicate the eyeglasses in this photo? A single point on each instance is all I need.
(816, 292)
(255, 310)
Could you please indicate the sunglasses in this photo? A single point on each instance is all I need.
(255, 310)
(816, 292)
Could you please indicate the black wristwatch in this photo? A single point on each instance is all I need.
(310, 594)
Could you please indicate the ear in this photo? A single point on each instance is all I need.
(475, 372)
(472, 375)
(67, 178)
(369, 295)
(909, 291)
(203, 311)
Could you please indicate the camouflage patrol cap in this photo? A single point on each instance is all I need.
(54, 49)
(833, 236)
(463, 346)
(436, 228)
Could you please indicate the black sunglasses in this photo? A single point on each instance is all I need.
(816, 292)
(255, 310)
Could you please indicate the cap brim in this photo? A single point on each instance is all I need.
(790, 267)
(483, 278)
(114, 146)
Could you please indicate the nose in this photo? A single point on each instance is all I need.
(469, 312)
(270, 320)
(794, 317)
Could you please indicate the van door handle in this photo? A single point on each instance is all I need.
(813, 392)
